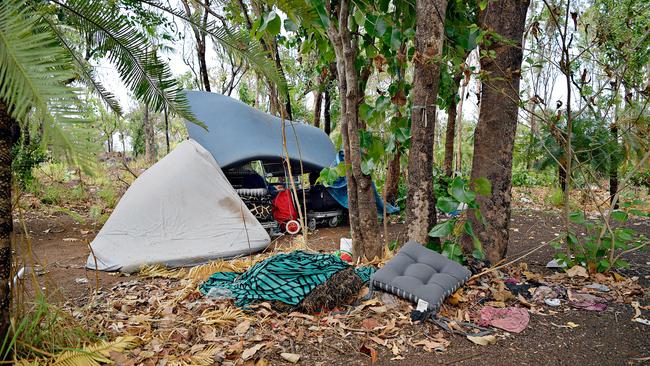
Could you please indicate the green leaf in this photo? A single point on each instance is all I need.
(395, 39)
(483, 4)
(442, 229)
(620, 216)
(447, 204)
(273, 24)
(458, 190)
(290, 25)
(380, 27)
(577, 217)
(482, 186)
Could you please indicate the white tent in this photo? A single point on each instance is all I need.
(180, 212)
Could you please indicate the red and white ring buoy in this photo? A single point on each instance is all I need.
(292, 227)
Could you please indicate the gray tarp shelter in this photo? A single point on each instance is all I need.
(238, 133)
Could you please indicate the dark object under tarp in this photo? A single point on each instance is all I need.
(238, 133)
(339, 191)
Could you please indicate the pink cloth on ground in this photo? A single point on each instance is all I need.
(509, 319)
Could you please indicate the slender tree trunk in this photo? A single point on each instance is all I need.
(561, 175)
(6, 218)
(199, 38)
(318, 102)
(450, 134)
(149, 139)
(613, 169)
(362, 206)
(429, 36)
(166, 129)
(531, 137)
(495, 132)
(459, 129)
(327, 116)
(392, 178)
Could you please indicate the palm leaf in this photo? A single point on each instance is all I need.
(140, 68)
(236, 42)
(94, 355)
(34, 72)
(33, 67)
(85, 70)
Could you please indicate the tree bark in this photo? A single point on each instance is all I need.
(613, 169)
(362, 206)
(318, 102)
(392, 178)
(199, 38)
(149, 138)
(450, 133)
(327, 113)
(429, 36)
(495, 132)
(6, 218)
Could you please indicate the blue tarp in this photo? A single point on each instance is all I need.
(339, 190)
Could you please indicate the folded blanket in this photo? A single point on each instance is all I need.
(285, 277)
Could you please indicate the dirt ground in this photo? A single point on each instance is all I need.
(606, 338)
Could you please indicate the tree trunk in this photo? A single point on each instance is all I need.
(613, 169)
(166, 129)
(429, 36)
(327, 116)
(561, 175)
(149, 139)
(6, 219)
(392, 178)
(362, 206)
(450, 134)
(459, 128)
(318, 101)
(199, 38)
(495, 132)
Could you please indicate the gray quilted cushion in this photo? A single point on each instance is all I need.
(420, 273)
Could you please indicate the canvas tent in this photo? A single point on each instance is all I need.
(180, 212)
(238, 133)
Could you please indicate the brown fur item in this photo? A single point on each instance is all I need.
(340, 289)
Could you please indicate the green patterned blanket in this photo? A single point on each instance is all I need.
(286, 277)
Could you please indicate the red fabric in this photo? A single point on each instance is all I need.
(283, 208)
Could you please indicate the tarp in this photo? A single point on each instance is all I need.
(238, 133)
(339, 190)
(180, 212)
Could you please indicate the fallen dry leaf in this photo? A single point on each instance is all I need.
(430, 345)
(483, 341)
(637, 309)
(242, 328)
(290, 357)
(577, 271)
(250, 352)
(369, 323)
(369, 351)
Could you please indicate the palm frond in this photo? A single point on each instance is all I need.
(161, 271)
(236, 42)
(140, 68)
(34, 72)
(84, 69)
(95, 354)
(33, 67)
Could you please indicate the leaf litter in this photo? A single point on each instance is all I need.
(173, 322)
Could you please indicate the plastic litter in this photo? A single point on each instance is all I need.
(552, 302)
(598, 287)
(81, 280)
(510, 319)
(586, 301)
(219, 293)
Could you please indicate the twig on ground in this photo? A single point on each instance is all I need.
(507, 263)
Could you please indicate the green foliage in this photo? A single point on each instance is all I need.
(42, 327)
(26, 156)
(600, 247)
(108, 196)
(531, 178)
(555, 197)
(459, 191)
